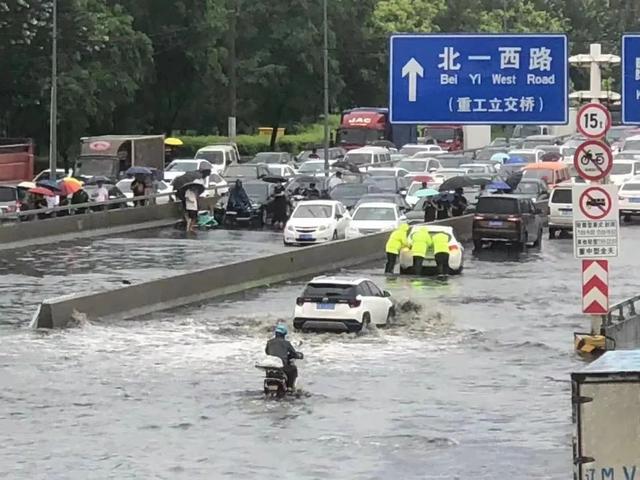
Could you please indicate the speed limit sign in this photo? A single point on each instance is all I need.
(594, 120)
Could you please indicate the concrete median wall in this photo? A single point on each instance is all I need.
(626, 333)
(201, 285)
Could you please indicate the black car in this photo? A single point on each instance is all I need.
(390, 184)
(300, 183)
(394, 198)
(507, 218)
(259, 194)
(245, 172)
(350, 193)
(533, 189)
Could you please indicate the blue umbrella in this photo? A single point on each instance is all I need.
(499, 157)
(426, 192)
(139, 171)
(498, 185)
(514, 159)
(49, 184)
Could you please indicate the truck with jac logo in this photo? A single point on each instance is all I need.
(370, 125)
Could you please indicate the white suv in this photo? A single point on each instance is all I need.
(629, 198)
(342, 304)
(561, 209)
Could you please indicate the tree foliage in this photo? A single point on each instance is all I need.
(140, 66)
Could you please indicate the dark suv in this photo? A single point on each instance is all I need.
(507, 218)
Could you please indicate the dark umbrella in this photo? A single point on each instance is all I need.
(551, 157)
(49, 184)
(186, 178)
(195, 186)
(346, 166)
(462, 181)
(514, 179)
(98, 179)
(42, 191)
(138, 171)
(274, 179)
(499, 185)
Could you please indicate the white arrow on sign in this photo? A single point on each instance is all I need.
(414, 70)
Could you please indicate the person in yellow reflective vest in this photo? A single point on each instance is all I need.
(441, 252)
(397, 241)
(420, 244)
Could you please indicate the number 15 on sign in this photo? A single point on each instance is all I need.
(594, 120)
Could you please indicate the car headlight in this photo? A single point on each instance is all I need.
(322, 228)
(290, 228)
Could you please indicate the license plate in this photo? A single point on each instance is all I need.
(305, 237)
(566, 213)
(496, 224)
(272, 388)
(325, 306)
(634, 200)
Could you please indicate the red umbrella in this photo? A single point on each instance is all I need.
(42, 191)
(69, 188)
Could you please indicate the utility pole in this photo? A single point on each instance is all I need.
(233, 80)
(53, 120)
(326, 89)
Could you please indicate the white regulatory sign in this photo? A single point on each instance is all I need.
(594, 120)
(596, 221)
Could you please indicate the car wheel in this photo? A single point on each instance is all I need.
(522, 246)
(456, 272)
(552, 233)
(538, 241)
(627, 218)
(263, 217)
(391, 315)
(366, 319)
(335, 235)
(477, 244)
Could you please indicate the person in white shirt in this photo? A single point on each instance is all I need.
(101, 194)
(191, 205)
(335, 181)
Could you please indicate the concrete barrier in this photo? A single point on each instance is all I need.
(135, 300)
(622, 324)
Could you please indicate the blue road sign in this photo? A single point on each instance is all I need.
(476, 78)
(631, 78)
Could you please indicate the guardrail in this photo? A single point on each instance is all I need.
(621, 311)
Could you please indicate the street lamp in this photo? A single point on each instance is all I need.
(53, 119)
(326, 89)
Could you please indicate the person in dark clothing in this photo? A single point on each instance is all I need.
(280, 207)
(280, 347)
(138, 187)
(238, 199)
(312, 192)
(80, 197)
(314, 154)
(442, 209)
(459, 204)
(64, 202)
(429, 210)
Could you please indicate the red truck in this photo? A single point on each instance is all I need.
(365, 125)
(16, 159)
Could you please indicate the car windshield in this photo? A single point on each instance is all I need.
(447, 174)
(214, 156)
(477, 169)
(125, 185)
(630, 186)
(275, 170)
(329, 290)
(359, 158)
(384, 183)
(241, 171)
(535, 143)
(561, 195)
(311, 167)
(629, 155)
(97, 167)
(406, 150)
(257, 191)
(541, 173)
(312, 211)
(267, 157)
(7, 194)
(441, 134)
(528, 130)
(527, 187)
(375, 213)
(182, 166)
(548, 148)
(621, 168)
(632, 145)
(381, 173)
(497, 205)
(379, 199)
(359, 136)
(452, 162)
(413, 165)
(349, 190)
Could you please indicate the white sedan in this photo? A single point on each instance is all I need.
(316, 221)
(629, 198)
(456, 251)
(376, 217)
(179, 167)
(342, 304)
(162, 188)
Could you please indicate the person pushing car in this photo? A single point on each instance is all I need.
(397, 241)
(420, 243)
(441, 252)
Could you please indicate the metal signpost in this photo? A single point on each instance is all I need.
(631, 79)
(596, 218)
(479, 79)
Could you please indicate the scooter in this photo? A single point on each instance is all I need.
(275, 380)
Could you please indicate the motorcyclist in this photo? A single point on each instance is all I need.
(312, 192)
(280, 347)
(238, 198)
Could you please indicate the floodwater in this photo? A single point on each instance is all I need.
(472, 383)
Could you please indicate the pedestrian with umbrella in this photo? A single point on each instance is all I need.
(460, 203)
(190, 192)
(40, 195)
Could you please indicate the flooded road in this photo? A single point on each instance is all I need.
(475, 384)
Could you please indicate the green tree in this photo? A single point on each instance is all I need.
(414, 16)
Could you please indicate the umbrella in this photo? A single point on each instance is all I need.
(551, 157)
(26, 185)
(346, 166)
(50, 184)
(42, 191)
(499, 157)
(514, 159)
(138, 171)
(461, 181)
(198, 187)
(173, 142)
(514, 179)
(98, 179)
(186, 178)
(71, 180)
(422, 178)
(498, 185)
(274, 179)
(69, 188)
(426, 192)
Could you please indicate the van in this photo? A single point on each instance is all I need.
(624, 170)
(220, 156)
(561, 209)
(368, 156)
(552, 173)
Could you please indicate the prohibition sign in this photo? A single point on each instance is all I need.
(593, 160)
(594, 120)
(595, 203)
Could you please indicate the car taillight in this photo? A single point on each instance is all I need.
(353, 303)
(11, 209)
(453, 248)
(478, 217)
(299, 301)
(513, 219)
(18, 206)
